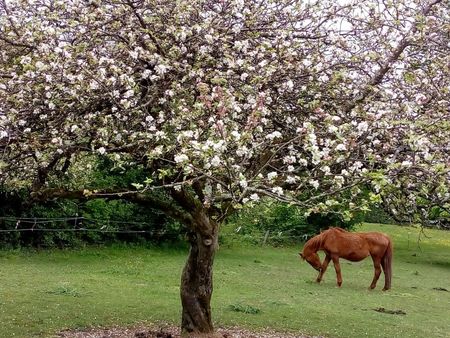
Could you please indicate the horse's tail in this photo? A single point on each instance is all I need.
(387, 265)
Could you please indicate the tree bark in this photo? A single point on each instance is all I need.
(197, 278)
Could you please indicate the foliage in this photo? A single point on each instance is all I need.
(97, 214)
(440, 218)
(101, 217)
(378, 215)
(282, 223)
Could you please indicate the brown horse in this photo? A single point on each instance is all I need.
(338, 243)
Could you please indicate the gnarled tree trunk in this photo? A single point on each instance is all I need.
(197, 277)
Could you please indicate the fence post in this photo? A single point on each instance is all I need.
(266, 236)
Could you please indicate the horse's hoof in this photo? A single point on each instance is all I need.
(385, 289)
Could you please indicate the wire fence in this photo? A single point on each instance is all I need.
(77, 224)
(80, 224)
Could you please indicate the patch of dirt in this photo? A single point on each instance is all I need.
(440, 289)
(172, 332)
(391, 312)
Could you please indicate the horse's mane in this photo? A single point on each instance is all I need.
(314, 243)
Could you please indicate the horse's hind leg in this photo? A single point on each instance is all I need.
(377, 267)
(337, 267)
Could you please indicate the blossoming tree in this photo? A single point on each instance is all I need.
(223, 102)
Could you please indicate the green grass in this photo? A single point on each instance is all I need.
(256, 287)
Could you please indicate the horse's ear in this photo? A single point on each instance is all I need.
(301, 255)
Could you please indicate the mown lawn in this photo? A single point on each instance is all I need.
(44, 292)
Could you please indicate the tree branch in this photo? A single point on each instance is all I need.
(170, 209)
(387, 64)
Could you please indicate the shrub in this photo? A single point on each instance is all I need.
(279, 223)
(70, 224)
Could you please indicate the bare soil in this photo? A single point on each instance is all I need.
(172, 332)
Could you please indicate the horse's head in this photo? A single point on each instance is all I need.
(313, 259)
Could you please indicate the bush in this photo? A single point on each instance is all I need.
(135, 223)
(69, 224)
(279, 223)
(439, 218)
(378, 215)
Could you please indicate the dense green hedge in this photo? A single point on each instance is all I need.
(105, 222)
(277, 223)
(270, 222)
(109, 216)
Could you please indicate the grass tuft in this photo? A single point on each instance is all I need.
(64, 291)
(248, 309)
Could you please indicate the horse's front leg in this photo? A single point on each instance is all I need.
(337, 267)
(324, 268)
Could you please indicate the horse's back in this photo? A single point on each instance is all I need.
(346, 244)
(377, 241)
(376, 237)
(355, 246)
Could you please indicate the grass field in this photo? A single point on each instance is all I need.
(44, 292)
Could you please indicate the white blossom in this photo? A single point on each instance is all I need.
(161, 69)
(277, 190)
(243, 183)
(363, 126)
(406, 163)
(303, 162)
(146, 74)
(236, 135)
(314, 183)
(341, 147)
(272, 175)
(421, 99)
(134, 54)
(274, 135)
(332, 129)
(242, 151)
(326, 170)
(215, 161)
(289, 159)
(289, 84)
(291, 179)
(209, 38)
(254, 197)
(181, 158)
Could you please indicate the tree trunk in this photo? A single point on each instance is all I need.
(197, 279)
